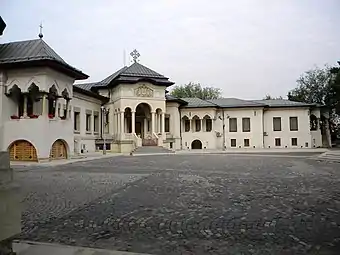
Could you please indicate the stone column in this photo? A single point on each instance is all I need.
(25, 105)
(10, 210)
(56, 108)
(152, 122)
(133, 122)
(145, 123)
(122, 131)
(163, 123)
(43, 111)
(66, 112)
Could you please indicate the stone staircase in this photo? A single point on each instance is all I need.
(151, 150)
(332, 155)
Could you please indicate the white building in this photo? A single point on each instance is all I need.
(44, 115)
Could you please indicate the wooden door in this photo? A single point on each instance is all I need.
(58, 150)
(22, 151)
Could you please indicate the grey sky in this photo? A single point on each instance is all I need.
(246, 47)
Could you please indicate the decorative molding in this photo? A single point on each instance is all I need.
(144, 91)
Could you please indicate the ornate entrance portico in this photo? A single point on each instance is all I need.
(142, 123)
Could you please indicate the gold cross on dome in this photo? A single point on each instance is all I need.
(135, 55)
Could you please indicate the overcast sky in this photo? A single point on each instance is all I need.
(246, 47)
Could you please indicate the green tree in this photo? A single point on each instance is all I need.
(269, 97)
(314, 86)
(196, 90)
(321, 86)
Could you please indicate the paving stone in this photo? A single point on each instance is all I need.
(216, 204)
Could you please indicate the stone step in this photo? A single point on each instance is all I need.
(151, 150)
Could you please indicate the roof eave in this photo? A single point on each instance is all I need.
(290, 106)
(57, 65)
(91, 94)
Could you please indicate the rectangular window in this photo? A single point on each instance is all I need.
(277, 123)
(76, 121)
(246, 142)
(96, 123)
(233, 142)
(277, 141)
(233, 125)
(197, 125)
(293, 123)
(294, 141)
(208, 125)
(186, 125)
(88, 122)
(246, 124)
(167, 124)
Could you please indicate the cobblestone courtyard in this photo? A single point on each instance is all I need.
(186, 204)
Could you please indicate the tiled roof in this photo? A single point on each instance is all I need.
(234, 103)
(85, 86)
(175, 99)
(138, 70)
(282, 103)
(15, 53)
(197, 102)
(110, 78)
(133, 74)
(240, 103)
(27, 50)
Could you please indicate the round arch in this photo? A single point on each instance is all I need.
(196, 145)
(22, 150)
(59, 150)
(144, 105)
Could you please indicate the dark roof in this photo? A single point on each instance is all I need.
(170, 98)
(197, 102)
(35, 53)
(133, 74)
(283, 103)
(240, 103)
(85, 86)
(234, 103)
(138, 70)
(90, 93)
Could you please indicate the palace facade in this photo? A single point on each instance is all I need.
(46, 115)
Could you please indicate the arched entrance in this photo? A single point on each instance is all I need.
(196, 145)
(58, 150)
(143, 120)
(22, 150)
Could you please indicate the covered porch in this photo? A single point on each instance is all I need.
(141, 124)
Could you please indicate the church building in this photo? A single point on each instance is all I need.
(47, 114)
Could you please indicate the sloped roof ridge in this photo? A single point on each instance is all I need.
(137, 69)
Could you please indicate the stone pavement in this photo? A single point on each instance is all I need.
(187, 204)
(33, 248)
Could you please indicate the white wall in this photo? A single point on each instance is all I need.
(255, 135)
(41, 132)
(173, 112)
(303, 134)
(43, 77)
(208, 139)
(85, 138)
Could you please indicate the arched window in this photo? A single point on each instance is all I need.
(196, 123)
(207, 123)
(186, 124)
